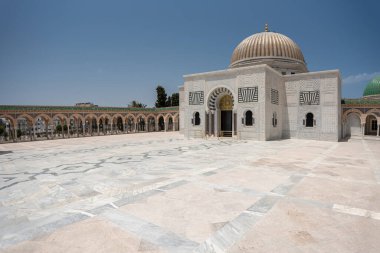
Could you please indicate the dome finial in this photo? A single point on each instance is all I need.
(266, 28)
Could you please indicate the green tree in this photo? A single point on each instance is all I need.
(161, 97)
(175, 99)
(58, 128)
(136, 104)
(169, 101)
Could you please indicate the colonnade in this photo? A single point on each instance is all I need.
(365, 123)
(53, 126)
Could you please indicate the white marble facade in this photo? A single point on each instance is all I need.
(279, 104)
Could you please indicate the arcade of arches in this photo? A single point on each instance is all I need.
(37, 122)
(361, 117)
(41, 122)
(358, 121)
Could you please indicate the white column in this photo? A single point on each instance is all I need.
(378, 129)
(209, 122)
(84, 129)
(233, 125)
(47, 130)
(52, 130)
(34, 132)
(363, 129)
(343, 130)
(216, 123)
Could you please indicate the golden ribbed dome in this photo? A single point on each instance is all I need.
(267, 47)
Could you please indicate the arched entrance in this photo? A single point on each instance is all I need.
(151, 124)
(141, 124)
(101, 125)
(220, 120)
(119, 125)
(353, 125)
(161, 123)
(371, 125)
(131, 124)
(9, 128)
(226, 106)
(170, 123)
(25, 128)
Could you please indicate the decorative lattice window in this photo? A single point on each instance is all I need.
(309, 97)
(274, 96)
(196, 98)
(248, 94)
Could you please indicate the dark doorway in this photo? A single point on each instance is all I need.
(226, 123)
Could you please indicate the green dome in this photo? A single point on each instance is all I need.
(372, 88)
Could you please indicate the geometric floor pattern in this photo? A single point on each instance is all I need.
(160, 192)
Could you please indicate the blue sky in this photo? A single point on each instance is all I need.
(112, 52)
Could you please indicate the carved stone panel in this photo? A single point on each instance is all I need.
(248, 94)
(309, 97)
(196, 98)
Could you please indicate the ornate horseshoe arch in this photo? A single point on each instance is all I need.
(215, 94)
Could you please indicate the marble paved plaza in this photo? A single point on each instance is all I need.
(158, 192)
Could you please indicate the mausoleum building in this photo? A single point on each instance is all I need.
(266, 93)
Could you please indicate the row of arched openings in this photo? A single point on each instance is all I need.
(357, 124)
(28, 128)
